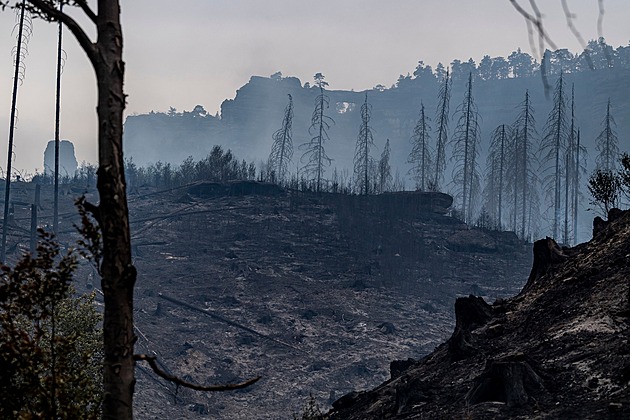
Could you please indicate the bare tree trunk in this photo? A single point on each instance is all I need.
(118, 272)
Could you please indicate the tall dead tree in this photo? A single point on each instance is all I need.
(57, 114)
(112, 247)
(24, 31)
(607, 143)
(496, 171)
(552, 148)
(575, 165)
(522, 160)
(362, 160)
(444, 98)
(282, 147)
(385, 178)
(420, 156)
(465, 153)
(314, 157)
(116, 268)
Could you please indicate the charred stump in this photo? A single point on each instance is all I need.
(471, 313)
(512, 382)
(546, 253)
(398, 367)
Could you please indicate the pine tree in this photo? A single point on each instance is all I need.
(553, 148)
(282, 148)
(420, 156)
(315, 157)
(496, 171)
(607, 143)
(362, 159)
(522, 159)
(465, 154)
(384, 170)
(575, 165)
(442, 111)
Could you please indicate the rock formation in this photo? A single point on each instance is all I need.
(67, 159)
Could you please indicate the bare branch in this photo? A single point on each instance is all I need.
(86, 9)
(49, 12)
(536, 21)
(600, 18)
(570, 16)
(152, 361)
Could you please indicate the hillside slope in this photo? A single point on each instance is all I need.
(317, 294)
(321, 293)
(557, 350)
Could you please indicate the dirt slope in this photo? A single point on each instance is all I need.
(557, 350)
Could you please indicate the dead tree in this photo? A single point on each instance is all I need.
(282, 148)
(466, 152)
(315, 157)
(114, 258)
(362, 160)
(442, 130)
(24, 31)
(420, 156)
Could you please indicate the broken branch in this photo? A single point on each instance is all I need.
(152, 361)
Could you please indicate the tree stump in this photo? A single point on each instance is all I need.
(507, 381)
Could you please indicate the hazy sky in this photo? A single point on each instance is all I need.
(184, 53)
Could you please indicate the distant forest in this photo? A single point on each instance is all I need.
(515, 152)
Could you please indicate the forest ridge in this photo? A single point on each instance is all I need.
(499, 87)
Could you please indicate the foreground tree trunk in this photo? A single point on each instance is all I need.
(118, 273)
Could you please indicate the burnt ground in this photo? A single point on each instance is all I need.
(558, 350)
(315, 294)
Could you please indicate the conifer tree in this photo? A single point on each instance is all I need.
(553, 148)
(575, 165)
(420, 156)
(465, 153)
(362, 159)
(282, 148)
(444, 97)
(607, 143)
(522, 160)
(384, 170)
(496, 170)
(314, 156)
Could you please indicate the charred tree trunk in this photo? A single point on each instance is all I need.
(546, 253)
(117, 270)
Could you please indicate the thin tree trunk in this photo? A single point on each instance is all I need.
(57, 114)
(7, 186)
(524, 168)
(501, 174)
(321, 139)
(576, 189)
(466, 147)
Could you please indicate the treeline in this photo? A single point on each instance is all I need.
(530, 183)
(597, 55)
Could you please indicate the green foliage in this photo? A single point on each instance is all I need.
(605, 187)
(624, 173)
(50, 346)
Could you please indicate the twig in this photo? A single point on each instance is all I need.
(152, 361)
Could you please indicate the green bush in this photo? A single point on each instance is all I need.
(50, 342)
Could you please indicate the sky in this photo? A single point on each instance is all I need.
(191, 52)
